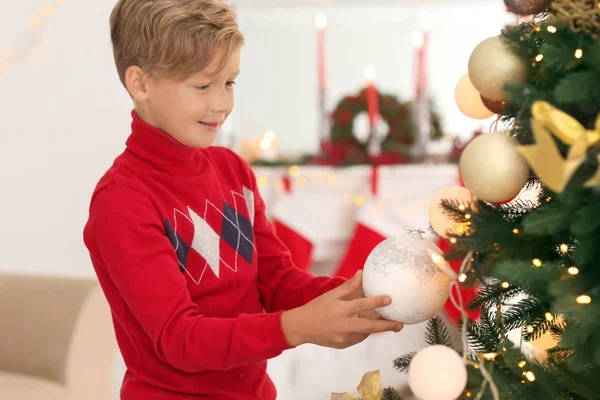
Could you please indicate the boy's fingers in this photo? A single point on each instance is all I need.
(347, 287)
(366, 304)
(378, 326)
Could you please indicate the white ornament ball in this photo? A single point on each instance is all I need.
(413, 272)
(437, 373)
(469, 100)
(440, 222)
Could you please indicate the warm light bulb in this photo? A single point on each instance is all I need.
(468, 394)
(573, 270)
(537, 262)
(294, 170)
(321, 21)
(530, 376)
(359, 201)
(522, 364)
(462, 278)
(584, 299)
(529, 329)
(262, 181)
(578, 53)
(333, 180)
(539, 57)
(516, 231)
(564, 248)
(370, 73)
(301, 181)
(549, 317)
(505, 285)
(467, 216)
(36, 21)
(453, 240)
(461, 207)
(490, 356)
(47, 10)
(551, 29)
(8, 54)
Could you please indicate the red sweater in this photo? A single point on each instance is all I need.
(195, 277)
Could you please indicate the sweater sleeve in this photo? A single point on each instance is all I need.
(126, 234)
(282, 285)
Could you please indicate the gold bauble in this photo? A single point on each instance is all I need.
(440, 222)
(527, 7)
(497, 107)
(492, 167)
(469, 100)
(492, 65)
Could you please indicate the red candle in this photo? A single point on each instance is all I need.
(372, 96)
(321, 22)
(421, 41)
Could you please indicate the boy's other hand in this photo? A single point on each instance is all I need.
(334, 318)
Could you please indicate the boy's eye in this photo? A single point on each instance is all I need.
(231, 83)
(203, 87)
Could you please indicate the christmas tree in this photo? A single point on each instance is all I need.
(534, 260)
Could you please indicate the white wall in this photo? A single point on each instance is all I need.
(65, 116)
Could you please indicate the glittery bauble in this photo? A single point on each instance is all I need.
(437, 373)
(492, 167)
(497, 107)
(413, 272)
(527, 7)
(493, 65)
(469, 101)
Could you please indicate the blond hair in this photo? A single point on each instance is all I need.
(173, 38)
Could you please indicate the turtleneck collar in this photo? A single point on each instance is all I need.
(158, 147)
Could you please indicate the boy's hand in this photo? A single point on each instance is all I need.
(360, 294)
(332, 320)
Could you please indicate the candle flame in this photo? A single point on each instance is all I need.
(321, 21)
(370, 73)
(418, 39)
(267, 141)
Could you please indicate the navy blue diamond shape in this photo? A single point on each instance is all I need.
(229, 232)
(182, 248)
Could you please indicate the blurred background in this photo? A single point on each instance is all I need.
(65, 117)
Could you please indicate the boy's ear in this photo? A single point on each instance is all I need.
(136, 81)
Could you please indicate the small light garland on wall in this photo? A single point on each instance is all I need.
(38, 21)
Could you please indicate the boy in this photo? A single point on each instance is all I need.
(201, 290)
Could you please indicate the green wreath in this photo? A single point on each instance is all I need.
(397, 115)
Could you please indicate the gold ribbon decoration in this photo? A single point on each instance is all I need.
(544, 156)
(369, 388)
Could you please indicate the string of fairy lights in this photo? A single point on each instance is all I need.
(10, 56)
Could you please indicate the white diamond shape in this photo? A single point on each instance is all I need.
(206, 241)
(249, 197)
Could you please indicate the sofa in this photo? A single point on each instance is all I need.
(56, 339)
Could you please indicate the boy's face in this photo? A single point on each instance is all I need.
(191, 111)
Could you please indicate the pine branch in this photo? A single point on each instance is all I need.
(401, 363)
(437, 333)
(525, 312)
(484, 336)
(493, 295)
(390, 394)
(559, 354)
